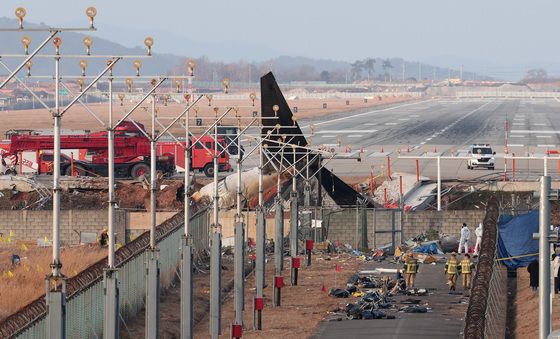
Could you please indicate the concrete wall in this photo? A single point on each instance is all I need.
(341, 225)
(33, 225)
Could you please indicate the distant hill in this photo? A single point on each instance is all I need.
(286, 68)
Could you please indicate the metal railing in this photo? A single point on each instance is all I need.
(84, 313)
(486, 313)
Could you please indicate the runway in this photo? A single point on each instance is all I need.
(445, 127)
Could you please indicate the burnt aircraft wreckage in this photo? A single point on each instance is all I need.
(285, 145)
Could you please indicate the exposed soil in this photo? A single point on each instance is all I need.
(303, 306)
(527, 308)
(129, 196)
(170, 307)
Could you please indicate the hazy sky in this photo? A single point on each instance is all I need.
(496, 34)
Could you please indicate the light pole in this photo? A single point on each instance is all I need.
(187, 301)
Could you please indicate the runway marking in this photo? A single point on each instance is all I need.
(518, 124)
(346, 131)
(355, 136)
(414, 116)
(429, 139)
(543, 136)
(540, 124)
(390, 123)
(404, 119)
(544, 146)
(534, 132)
(328, 136)
(521, 119)
(379, 154)
(516, 145)
(370, 124)
(458, 120)
(369, 112)
(517, 136)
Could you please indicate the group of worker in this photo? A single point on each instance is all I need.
(453, 266)
(464, 241)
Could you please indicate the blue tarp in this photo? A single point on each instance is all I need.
(428, 249)
(516, 238)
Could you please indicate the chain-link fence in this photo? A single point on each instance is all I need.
(486, 313)
(85, 301)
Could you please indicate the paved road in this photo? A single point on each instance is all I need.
(445, 320)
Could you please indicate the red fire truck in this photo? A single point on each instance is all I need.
(201, 159)
(87, 154)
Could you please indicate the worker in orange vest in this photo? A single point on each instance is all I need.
(466, 267)
(451, 271)
(410, 270)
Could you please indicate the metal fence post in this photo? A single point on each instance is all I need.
(279, 237)
(544, 259)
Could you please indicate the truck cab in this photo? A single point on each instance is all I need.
(481, 155)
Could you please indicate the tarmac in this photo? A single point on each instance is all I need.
(445, 319)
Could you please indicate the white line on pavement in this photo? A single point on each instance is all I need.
(543, 136)
(368, 113)
(355, 136)
(346, 131)
(516, 145)
(544, 146)
(390, 123)
(517, 136)
(534, 132)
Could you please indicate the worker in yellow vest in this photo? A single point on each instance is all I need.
(466, 267)
(451, 271)
(410, 270)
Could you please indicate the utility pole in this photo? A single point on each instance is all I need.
(239, 255)
(215, 253)
(187, 300)
(152, 272)
(56, 299)
(279, 229)
(110, 279)
(294, 212)
(260, 242)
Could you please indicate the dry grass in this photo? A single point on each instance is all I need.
(78, 118)
(22, 284)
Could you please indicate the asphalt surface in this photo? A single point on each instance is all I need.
(444, 320)
(445, 127)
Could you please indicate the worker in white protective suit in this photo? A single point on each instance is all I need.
(478, 233)
(465, 237)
